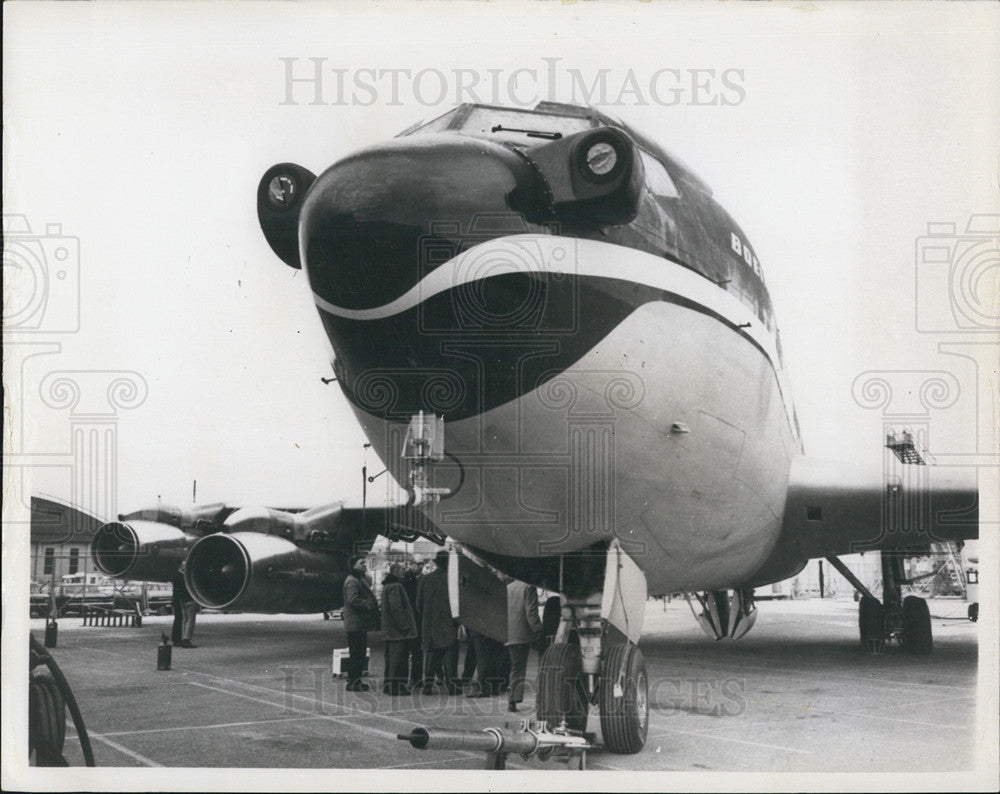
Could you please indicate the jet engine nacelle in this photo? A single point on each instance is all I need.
(724, 613)
(256, 572)
(143, 550)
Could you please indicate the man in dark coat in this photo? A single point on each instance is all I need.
(492, 663)
(469, 665)
(361, 613)
(438, 633)
(411, 582)
(524, 629)
(185, 609)
(399, 629)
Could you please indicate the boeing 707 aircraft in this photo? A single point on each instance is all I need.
(563, 349)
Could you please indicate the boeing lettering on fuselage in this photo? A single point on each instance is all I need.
(742, 250)
(563, 347)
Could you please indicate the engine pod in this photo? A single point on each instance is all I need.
(140, 550)
(254, 572)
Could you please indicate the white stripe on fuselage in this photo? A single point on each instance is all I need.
(541, 253)
(529, 253)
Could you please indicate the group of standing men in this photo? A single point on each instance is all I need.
(422, 639)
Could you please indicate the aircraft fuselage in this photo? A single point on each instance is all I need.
(593, 327)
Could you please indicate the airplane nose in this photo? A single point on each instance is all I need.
(369, 226)
(375, 225)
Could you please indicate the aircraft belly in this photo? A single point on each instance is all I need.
(670, 434)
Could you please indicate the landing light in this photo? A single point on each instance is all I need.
(281, 191)
(601, 158)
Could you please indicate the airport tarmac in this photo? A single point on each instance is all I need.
(795, 695)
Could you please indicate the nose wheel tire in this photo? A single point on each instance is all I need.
(917, 636)
(624, 699)
(871, 622)
(560, 688)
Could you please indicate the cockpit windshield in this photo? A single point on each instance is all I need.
(522, 127)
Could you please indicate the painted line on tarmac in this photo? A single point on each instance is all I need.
(323, 704)
(124, 750)
(328, 718)
(877, 683)
(919, 703)
(210, 727)
(341, 719)
(353, 711)
(864, 715)
(429, 761)
(454, 709)
(730, 739)
(267, 690)
(861, 713)
(970, 726)
(611, 768)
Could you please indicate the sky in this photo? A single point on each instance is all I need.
(836, 135)
(840, 131)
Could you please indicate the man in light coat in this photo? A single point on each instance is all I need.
(523, 630)
(361, 613)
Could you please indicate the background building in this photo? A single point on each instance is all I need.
(60, 539)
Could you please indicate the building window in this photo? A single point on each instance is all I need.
(74, 560)
(50, 561)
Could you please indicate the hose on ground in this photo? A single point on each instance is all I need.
(48, 697)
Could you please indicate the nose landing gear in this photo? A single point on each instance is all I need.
(595, 660)
(562, 695)
(624, 699)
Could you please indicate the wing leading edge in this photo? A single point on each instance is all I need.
(837, 508)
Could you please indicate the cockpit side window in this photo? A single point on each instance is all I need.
(657, 178)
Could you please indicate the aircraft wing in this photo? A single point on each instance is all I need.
(837, 508)
(253, 559)
(56, 521)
